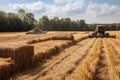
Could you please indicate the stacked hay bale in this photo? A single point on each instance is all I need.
(6, 68)
(63, 45)
(63, 36)
(58, 42)
(39, 40)
(48, 48)
(44, 54)
(64, 40)
(59, 36)
(78, 37)
(20, 53)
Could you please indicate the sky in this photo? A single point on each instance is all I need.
(92, 11)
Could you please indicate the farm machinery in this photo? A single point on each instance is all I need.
(100, 32)
(36, 31)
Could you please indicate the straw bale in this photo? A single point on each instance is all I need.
(44, 54)
(80, 38)
(59, 36)
(63, 36)
(6, 68)
(49, 51)
(62, 46)
(32, 41)
(39, 40)
(20, 53)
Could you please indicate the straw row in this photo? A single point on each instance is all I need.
(47, 52)
(113, 54)
(6, 68)
(87, 69)
(20, 53)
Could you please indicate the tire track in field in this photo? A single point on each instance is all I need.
(42, 68)
(62, 56)
(102, 67)
(64, 68)
(71, 74)
(113, 54)
(115, 69)
(71, 71)
(86, 69)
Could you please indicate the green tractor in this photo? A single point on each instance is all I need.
(100, 32)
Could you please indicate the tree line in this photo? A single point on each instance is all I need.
(22, 21)
(66, 24)
(11, 22)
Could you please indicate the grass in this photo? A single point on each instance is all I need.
(46, 47)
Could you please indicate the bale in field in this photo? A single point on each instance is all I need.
(63, 36)
(60, 47)
(20, 53)
(46, 52)
(80, 38)
(6, 68)
(39, 40)
(59, 36)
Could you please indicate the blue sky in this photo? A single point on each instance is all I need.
(93, 11)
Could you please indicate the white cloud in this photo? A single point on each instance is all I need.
(41, 8)
(63, 1)
(99, 10)
(75, 9)
(102, 13)
(30, 7)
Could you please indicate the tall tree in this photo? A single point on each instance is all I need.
(3, 21)
(82, 25)
(44, 23)
(21, 14)
(30, 18)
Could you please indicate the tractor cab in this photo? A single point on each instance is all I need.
(100, 30)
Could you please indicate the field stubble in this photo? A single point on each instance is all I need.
(88, 59)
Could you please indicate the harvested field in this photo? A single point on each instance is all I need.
(45, 49)
(20, 53)
(21, 37)
(6, 68)
(56, 57)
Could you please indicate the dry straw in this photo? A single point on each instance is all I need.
(113, 58)
(63, 36)
(20, 53)
(49, 51)
(79, 38)
(39, 40)
(60, 36)
(68, 40)
(86, 71)
(6, 68)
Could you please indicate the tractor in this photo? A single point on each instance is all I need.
(100, 32)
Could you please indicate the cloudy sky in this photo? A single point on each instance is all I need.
(92, 11)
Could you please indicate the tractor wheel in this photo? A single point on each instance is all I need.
(107, 34)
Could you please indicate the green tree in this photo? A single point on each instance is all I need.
(118, 26)
(30, 18)
(22, 14)
(3, 21)
(44, 23)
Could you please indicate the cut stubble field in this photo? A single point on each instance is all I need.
(84, 59)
